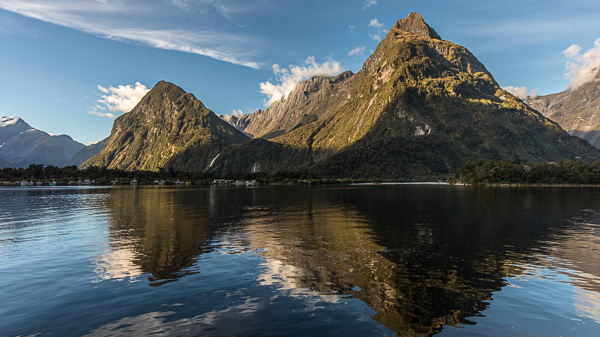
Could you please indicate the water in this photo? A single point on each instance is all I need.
(409, 260)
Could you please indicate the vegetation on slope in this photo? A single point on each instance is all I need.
(168, 127)
(420, 107)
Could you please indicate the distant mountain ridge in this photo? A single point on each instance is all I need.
(238, 122)
(305, 104)
(88, 152)
(577, 111)
(22, 145)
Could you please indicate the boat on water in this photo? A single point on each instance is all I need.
(23, 183)
(52, 183)
(133, 182)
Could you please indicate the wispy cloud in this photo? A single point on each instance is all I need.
(522, 92)
(234, 11)
(288, 78)
(118, 99)
(189, 42)
(369, 3)
(357, 51)
(582, 68)
(122, 21)
(374, 23)
(376, 29)
(102, 114)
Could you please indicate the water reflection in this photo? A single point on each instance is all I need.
(117, 264)
(162, 231)
(422, 257)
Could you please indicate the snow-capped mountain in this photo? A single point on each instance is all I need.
(22, 145)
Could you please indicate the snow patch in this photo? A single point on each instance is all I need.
(6, 121)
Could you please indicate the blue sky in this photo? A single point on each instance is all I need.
(67, 64)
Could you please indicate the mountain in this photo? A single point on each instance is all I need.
(305, 104)
(419, 107)
(167, 128)
(22, 145)
(88, 152)
(238, 122)
(577, 111)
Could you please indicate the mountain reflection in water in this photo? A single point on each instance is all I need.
(297, 260)
(421, 256)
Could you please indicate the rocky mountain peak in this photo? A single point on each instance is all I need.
(22, 145)
(163, 90)
(414, 24)
(6, 121)
(167, 128)
(309, 100)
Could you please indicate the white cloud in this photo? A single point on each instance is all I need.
(289, 77)
(102, 114)
(118, 99)
(237, 112)
(120, 20)
(582, 68)
(351, 28)
(572, 51)
(534, 93)
(369, 3)
(357, 51)
(375, 36)
(376, 29)
(522, 92)
(375, 24)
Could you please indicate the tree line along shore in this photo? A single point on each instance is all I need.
(516, 172)
(480, 172)
(39, 174)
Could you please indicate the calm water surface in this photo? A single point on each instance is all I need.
(408, 260)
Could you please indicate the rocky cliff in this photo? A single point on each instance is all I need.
(305, 104)
(577, 111)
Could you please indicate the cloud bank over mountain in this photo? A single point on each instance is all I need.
(288, 78)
